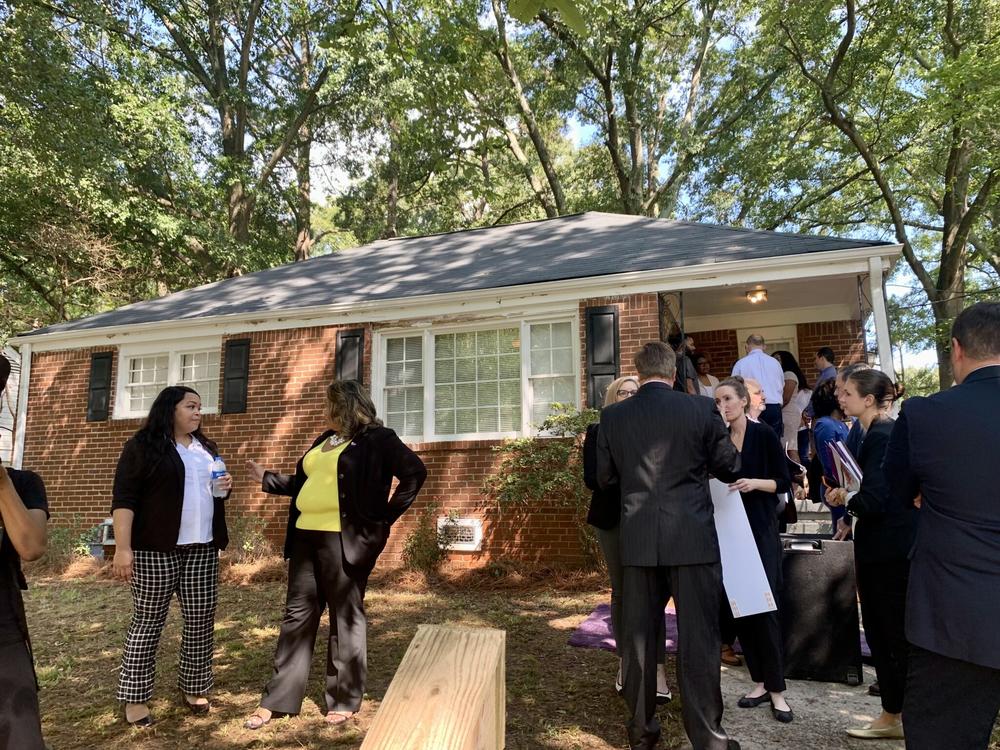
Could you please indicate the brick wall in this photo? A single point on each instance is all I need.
(845, 337)
(638, 323)
(288, 374)
(722, 349)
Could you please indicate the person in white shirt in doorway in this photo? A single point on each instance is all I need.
(766, 370)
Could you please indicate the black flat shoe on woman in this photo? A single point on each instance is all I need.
(752, 702)
(785, 717)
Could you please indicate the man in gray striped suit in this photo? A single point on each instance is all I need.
(660, 447)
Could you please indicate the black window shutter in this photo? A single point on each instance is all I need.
(350, 355)
(603, 352)
(235, 376)
(99, 391)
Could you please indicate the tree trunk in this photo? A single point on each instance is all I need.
(392, 174)
(303, 207)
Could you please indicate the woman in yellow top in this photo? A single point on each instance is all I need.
(338, 523)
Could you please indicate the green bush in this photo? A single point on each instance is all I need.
(425, 549)
(545, 469)
(248, 542)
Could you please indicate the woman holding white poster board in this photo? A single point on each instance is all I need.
(763, 475)
(883, 535)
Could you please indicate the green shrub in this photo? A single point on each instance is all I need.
(547, 469)
(248, 542)
(425, 549)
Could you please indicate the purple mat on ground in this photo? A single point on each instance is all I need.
(595, 632)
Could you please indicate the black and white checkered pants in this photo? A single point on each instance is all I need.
(192, 572)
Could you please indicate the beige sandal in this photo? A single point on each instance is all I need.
(255, 721)
(337, 718)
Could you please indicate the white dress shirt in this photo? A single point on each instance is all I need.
(766, 370)
(199, 506)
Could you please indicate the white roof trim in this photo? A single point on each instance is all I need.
(496, 301)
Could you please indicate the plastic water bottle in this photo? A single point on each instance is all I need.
(218, 471)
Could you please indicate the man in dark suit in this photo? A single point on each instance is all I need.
(943, 452)
(660, 446)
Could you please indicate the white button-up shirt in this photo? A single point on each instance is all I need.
(199, 506)
(766, 370)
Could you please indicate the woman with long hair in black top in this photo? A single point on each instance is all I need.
(884, 532)
(169, 528)
(763, 475)
(339, 518)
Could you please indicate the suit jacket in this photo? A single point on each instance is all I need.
(659, 447)
(154, 491)
(944, 447)
(886, 524)
(605, 505)
(365, 471)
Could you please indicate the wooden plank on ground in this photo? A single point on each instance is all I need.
(449, 693)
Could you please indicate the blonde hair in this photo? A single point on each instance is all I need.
(611, 394)
(348, 403)
(754, 387)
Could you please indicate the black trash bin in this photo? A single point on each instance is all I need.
(819, 610)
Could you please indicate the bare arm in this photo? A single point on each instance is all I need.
(122, 565)
(24, 526)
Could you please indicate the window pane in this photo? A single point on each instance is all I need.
(444, 422)
(486, 342)
(465, 420)
(465, 394)
(465, 345)
(444, 371)
(508, 342)
(200, 370)
(562, 335)
(563, 390)
(510, 392)
(444, 397)
(541, 337)
(510, 418)
(395, 399)
(394, 349)
(487, 394)
(488, 420)
(444, 346)
(486, 368)
(465, 370)
(562, 361)
(541, 362)
(510, 366)
(414, 347)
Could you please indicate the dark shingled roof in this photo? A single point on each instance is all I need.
(569, 247)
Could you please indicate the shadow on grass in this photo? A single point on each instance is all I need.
(559, 697)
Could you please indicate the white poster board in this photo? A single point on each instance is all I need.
(742, 571)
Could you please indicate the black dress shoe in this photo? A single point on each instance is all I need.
(874, 689)
(733, 745)
(747, 702)
(785, 717)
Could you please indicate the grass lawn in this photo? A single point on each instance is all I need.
(559, 697)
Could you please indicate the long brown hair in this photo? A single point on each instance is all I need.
(348, 402)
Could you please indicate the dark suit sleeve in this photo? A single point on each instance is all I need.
(278, 484)
(126, 491)
(723, 458)
(871, 498)
(607, 472)
(590, 458)
(410, 471)
(902, 481)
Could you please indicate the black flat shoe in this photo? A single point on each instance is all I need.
(785, 717)
(747, 702)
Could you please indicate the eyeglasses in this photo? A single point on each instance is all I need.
(625, 392)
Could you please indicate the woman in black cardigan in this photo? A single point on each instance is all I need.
(883, 535)
(763, 476)
(338, 524)
(169, 529)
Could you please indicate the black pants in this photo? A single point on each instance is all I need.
(695, 589)
(882, 590)
(771, 416)
(318, 575)
(20, 724)
(949, 703)
(763, 649)
(727, 623)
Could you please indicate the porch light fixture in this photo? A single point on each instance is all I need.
(756, 296)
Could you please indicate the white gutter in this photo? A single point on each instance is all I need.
(511, 300)
(21, 418)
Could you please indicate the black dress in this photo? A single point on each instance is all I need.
(760, 635)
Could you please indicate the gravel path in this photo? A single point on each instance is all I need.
(823, 711)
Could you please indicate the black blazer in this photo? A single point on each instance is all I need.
(154, 492)
(945, 447)
(659, 447)
(365, 471)
(605, 505)
(886, 526)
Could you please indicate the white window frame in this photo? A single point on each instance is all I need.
(174, 353)
(428, 332)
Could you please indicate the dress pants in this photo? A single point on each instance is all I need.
(763, 649)
(695, 589)
(318, 575)
(949, 704)
(609, 539)
(20, 725)
(191, 571)
(771, 416)
(882, 590)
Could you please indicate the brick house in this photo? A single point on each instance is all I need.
(463, 338)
